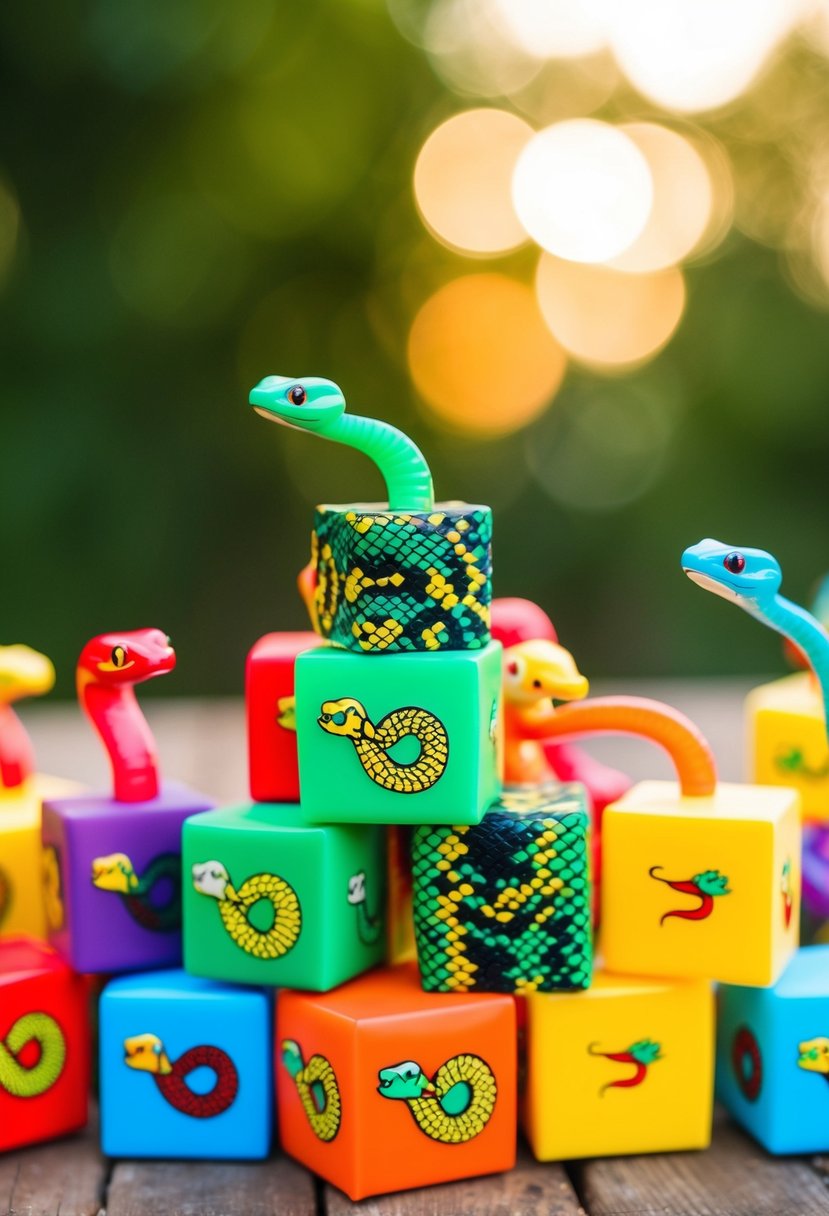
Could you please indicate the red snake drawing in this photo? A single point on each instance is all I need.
(145, 1053)
(108, 668)
(706, 886)
(640, 1054)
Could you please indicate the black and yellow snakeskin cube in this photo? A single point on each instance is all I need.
(504, 906)
(382, 581)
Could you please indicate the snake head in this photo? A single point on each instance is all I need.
(114, 872)
(404, 1081)
(24, 673)
(357, 888)
(646, 1051)
(145, 1053)
(712, 882)
(344, 717)
(117, 659)
(813, 1055)
(749, 577)
(211, 878)
(539, 670)
(307, 404)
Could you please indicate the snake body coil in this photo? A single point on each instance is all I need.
(317, 1087)
(116, 873)
(145, 1053)
(455, 1106)
(372, 743)
(22, 1082)
(211, 878)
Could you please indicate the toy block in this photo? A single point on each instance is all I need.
(400, 937)
(183, 1068)
(405, 738)
(604, 1068)
(787, 740)
(702, 886)
(269, 697)
(383, 1087)
(815, 879)
(382, 581)
(773, 1055)
(113, 878)
(504, 905)
(22, 908)
(270, 900)
(44, 1045)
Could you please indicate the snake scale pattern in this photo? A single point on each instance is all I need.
(400, 581)
(455, 1106)
(372, 742)
(317, 1087)
(504, 906)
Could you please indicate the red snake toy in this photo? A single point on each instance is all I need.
(109, 667)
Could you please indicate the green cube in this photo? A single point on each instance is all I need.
(403, 738)
(504, 906)
(269, 900)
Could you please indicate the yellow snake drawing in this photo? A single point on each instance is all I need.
(211, 878)
(52, 889)
(348, 718)
(317, 1087)
(455, 1106)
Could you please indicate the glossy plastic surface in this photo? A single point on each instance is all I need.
(44, 1045)
(269, 699)
(23, 673)
(318, 406)
(383, 1087)
(787, 740)
(625, 1067)
(109, 667)
(182, 1068)
(270, 900)
(705, 887)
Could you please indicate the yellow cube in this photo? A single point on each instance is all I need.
(625, 1067)
(787, 740)
(22, 905)
(701, 887)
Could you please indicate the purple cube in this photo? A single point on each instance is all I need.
(113, 878)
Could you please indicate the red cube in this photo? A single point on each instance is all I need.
(269, 694)
(44, 1044)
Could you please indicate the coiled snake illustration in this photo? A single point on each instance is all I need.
(348, 717)
(317, 1087)
(115, 872)
(16, 1078)
(211, 878)
(455, 1106)
(145, 1053)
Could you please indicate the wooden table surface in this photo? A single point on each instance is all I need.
(203, 743)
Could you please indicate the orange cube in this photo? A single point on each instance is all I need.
(383, 1087)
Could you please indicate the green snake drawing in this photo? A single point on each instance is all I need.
(455, 1106)
(318, 406)
(348, 718)
(640, 1054)
(115, 872)
(793, 761)
(751, 578)
(317, 1087)
(369, 925)
(211, 878)
(813, 1056)
(15, 1078)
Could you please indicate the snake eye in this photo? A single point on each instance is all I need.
(297, 395)
(735, 563)
(339, 718)
(118, 656)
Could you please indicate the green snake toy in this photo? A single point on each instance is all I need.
(23, 1082)
(318, 406)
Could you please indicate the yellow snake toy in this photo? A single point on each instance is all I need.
(349, 719)
(211, 878)
(317, 1087)
(455, 1106)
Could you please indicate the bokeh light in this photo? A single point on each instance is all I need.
(696, 55)
(463, 180)
(467, 44)
(605, 317)
(682, 200)
(482, 357)
(555, 28)
(583, 190)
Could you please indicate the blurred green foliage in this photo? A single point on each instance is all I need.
(209, 193)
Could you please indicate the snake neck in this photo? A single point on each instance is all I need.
(401, 462)
(126, 736)
(805, 631)
(16, 752)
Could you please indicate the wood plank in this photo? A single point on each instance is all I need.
(67, 1176)
(528, 1190)
(276, 1187)
(735, 1177)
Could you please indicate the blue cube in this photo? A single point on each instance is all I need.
(185, 1068)
(773, 1055)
